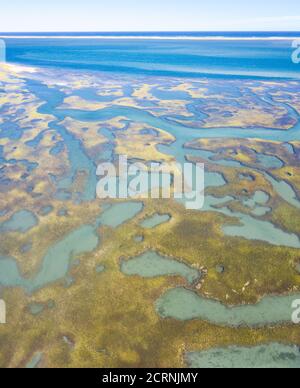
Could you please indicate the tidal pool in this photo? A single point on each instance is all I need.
(289, 147)
(119, 213)
(46, 210)
(55, 264)
(285, 191)
(57, 149)
(253, 229)
(209, 156)
(26, 248)
(35, 361)
(100, 268)
(270, 356)
(36, 308)
(249, 227)
(155, 220)
(261, 211)
(139, 239)
(151, 264)
(62, 213)
(3, 212)
(182, 304)
(260, 197)
(247, 177)
(21, 221)
(269, 161)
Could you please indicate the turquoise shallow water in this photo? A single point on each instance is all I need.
(260, 197)
(56, 263)
(269, 161)
(46, 210)
(151, 264)
(257, 202)
(21, 221)
(36, 308)
(155, 220)
(268, 356)
(183, 304)
(285, 191)
(254, 229)
(119, 213)
(35, 361)
(250, 227)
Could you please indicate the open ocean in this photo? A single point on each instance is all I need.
(189, 54)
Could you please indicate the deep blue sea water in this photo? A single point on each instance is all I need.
(138, 54)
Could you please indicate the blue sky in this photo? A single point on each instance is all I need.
(149, 15)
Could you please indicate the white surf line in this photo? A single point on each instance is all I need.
(17, 68)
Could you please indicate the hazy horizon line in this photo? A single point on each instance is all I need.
(148, 31)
